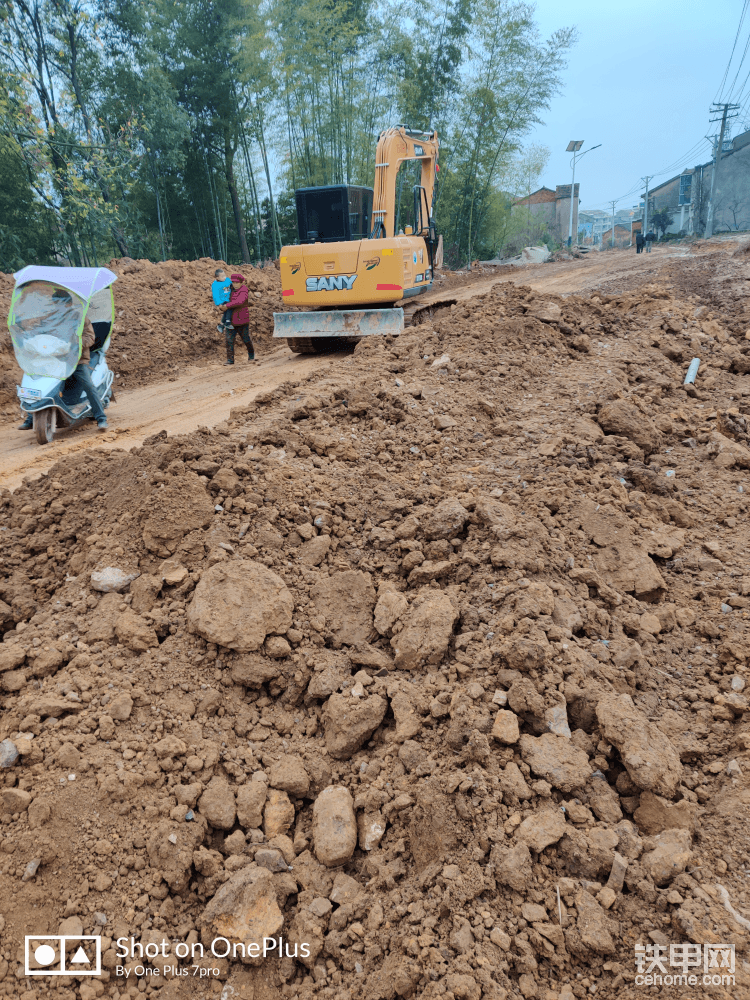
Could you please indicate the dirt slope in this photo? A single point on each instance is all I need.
(408, 646)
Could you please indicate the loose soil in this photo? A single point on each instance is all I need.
(432, 655)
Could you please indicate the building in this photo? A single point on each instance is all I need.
(550, 210)
(686, 196)
(594, 223)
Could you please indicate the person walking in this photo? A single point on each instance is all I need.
(650, 237)
(639, 241)
(240, 319)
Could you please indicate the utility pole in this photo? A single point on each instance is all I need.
(613, 223)
(645, 211)
(724, 109)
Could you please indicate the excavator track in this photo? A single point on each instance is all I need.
(416, 312)
(318, 345)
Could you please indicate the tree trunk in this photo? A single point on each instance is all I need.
(229, 152)
(275, 231)
(115, 228)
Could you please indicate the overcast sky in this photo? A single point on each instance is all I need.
(640, 81)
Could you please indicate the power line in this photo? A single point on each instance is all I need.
(741, 94)
(742, 60)
(693, 151)
(734, 46)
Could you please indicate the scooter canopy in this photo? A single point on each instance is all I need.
(47, 313)
(83, 281)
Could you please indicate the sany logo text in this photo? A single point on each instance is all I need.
(334, 282)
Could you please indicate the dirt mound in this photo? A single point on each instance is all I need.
(165, 320)
(433, 668)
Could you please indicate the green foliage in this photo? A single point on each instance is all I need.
(25, 226)
(174, 129)
(662, 220)
(514, 76)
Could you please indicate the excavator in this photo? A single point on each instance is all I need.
(351, 270)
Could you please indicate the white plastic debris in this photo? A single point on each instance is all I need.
(692, 371)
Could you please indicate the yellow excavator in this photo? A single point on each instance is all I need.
(351, 270)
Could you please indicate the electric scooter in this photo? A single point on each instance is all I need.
(46, 320)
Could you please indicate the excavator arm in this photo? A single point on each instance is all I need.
(398, 145)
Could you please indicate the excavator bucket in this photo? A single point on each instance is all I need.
(310, 332)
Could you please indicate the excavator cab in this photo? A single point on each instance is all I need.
(334, 213)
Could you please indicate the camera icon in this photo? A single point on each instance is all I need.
(62, 955)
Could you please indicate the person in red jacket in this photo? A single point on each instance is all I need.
(240, 319)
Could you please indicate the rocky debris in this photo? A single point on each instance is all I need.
(8, 753)
(505, 727)
(557, 760)
(623, 418)
(135, 633)
(649, 757)
(426, 631)
(446, 520)
(488, 621)
(112, 579)
(217, 804)
(238, 603)
(334, 826)
(592, 926)
(245, 910)
(289, 775)
(346, 601)
(655, 814)
(669, 857)
(251, 797)
(349, 722)
(120, 707)
(542, 829)
(278, 813)
(513, 866)
(184, 506)
(370, 829)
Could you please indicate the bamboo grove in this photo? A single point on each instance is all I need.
(181, 128)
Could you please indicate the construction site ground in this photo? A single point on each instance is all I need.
(430, 656)
(204, 394)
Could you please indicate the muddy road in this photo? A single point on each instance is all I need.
(205, 394)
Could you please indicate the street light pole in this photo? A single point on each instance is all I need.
(573, 147)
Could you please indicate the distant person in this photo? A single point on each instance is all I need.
(650, 237)
(639, 241)
(240, 319)
(221, 289)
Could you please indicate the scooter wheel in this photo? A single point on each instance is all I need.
(45, 425)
